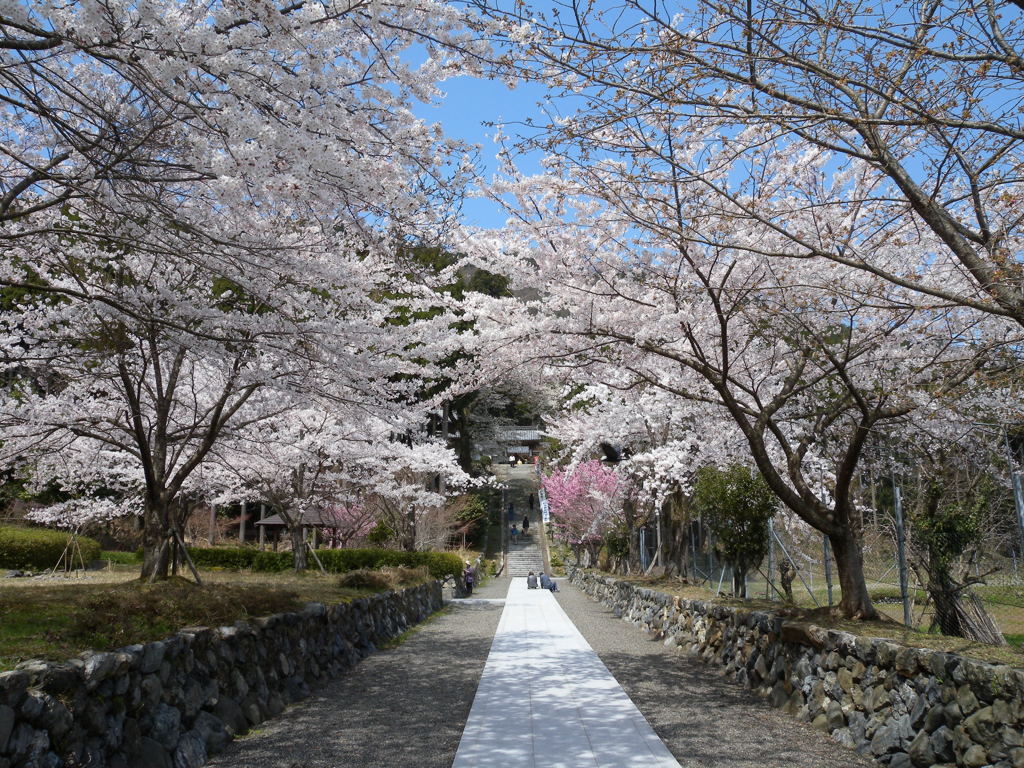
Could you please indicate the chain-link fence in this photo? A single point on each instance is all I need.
(977, 578)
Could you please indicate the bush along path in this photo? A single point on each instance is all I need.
(174, 702)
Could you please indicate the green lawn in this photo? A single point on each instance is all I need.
(60, 618)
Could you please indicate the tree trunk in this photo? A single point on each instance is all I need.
(739, 583)
(299, 552)
(155, 541)
(849, 555)
(677, 548)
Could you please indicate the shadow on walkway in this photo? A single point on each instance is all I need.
(703, 718)
(402, 707)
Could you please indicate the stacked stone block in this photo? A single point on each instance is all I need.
(172, 703)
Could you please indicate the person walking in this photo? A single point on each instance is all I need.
(469, 578)
(526, 524)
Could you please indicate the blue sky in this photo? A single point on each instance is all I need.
(470, 102)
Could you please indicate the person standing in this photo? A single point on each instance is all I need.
(526, 524)
(469, 578)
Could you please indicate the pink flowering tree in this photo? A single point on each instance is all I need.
(347, 522)
(584, 506)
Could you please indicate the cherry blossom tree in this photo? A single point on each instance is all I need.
(664, 232)
(314, 465)
(803, 359)
(347, 521)
(584, 505)
(202, 202)
(842, 128)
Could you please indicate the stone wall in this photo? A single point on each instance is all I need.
(903, 706)
(172, 703)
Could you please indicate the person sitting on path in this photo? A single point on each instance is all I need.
(469, 577)
(531, 581)
(545, 581)
(526, 524)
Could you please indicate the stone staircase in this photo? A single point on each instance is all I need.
(520, 484)
(525, 556)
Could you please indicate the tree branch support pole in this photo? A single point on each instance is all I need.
(796, 568)
(185, 555)
(901, 553)
(769, 577)
(826, 551)
(312, 551)
(241, 525)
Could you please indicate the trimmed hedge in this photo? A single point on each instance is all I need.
(440, 564)
(122, 558)
(37, 549)
(235, 558)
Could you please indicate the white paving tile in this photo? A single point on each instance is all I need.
(546, 700)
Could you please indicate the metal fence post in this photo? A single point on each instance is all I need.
(1018, 495)
(901, 553)
(827, 555)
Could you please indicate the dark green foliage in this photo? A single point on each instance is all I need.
(272, 562)
(122, 558)
(949, 526)
(234, 558)
(736, 505)
(440, 564)
(37, 549)
(381, 533)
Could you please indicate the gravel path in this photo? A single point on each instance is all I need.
(704, 719)
(401, 707)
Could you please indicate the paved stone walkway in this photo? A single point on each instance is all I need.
(410, 707)
(546, 701)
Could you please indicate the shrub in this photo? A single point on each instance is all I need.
(272, 562)
(405, 577)
(366, 579)
(37, 549)
(121, 558)
(736, 504)
(442, 564)
(223, 557)
(386, 578)
(438, 564)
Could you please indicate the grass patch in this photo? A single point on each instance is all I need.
(58, 618)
